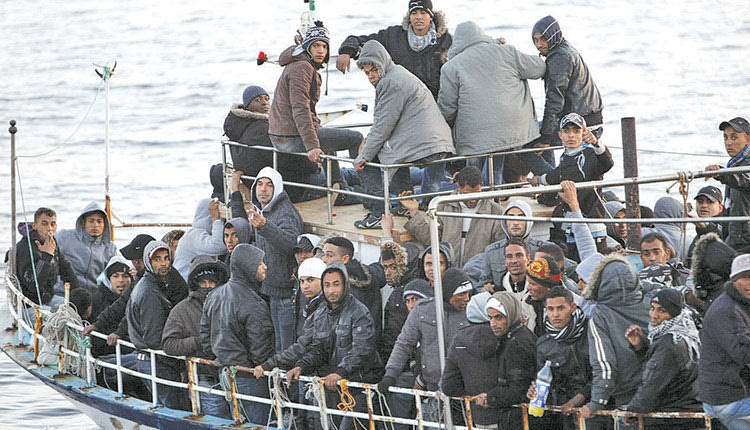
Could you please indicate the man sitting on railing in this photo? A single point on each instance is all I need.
(407, 127)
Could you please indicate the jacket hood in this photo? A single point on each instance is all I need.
(475, 310)
(374, 54)
(202, 218)
(614, 283)
(468, 33)
(341, 268)
(81, 221)
(275, 177)
(712, 261)
(445, 248)
(550, 30)
(116, 259)
(613, 207)
(512, 306)
(239, 111)
(216, 176)
(400, 256)
(286, 57)
(244, 264)
(149, 249)
(206, 262)
(242, 227)
(526, 209)
(438, 18)
(668, 207)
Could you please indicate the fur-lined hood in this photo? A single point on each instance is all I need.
(614, 283)
(439, 20)
(712, 261)
(238, 110)
(399, 254)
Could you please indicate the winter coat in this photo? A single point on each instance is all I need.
(420, 329)
(712, 265)
(206, 237)
(88, 255)
(481, 234)
(395, 312)
(620, 303)
(568, 84)
(251, 128)
(241, 227)
(668, 207)
(365, 282)
(148, 307)
(723, 374)
(425, 64)
(445, 248)
(343, 339)
(571, 371)
(297, 92)
(104, 295)
(236, 323)
(181, 335)
(484, 93)
(710, 227)
(737, 203)
(287, 358)
(407, 124)
(49, 268)
(278, 237)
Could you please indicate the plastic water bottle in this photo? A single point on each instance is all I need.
(543, 382)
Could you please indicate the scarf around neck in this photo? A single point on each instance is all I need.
(680, 327)
(571, 332)
(742, 156)
(418, 43)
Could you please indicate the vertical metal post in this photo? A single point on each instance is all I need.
(118, 359)
(89, 366)
(630, 169)
(386, 192)
(323, 409)
(224, 171)
(420, 418)
(21, 311)
(107, 200)
(491, 171)
(275, 156)
(192, 382)
(368, 393)
(37, 330)
(12, 256)
(233, 396)
(154, 394)
(66, 289)
(328, 191)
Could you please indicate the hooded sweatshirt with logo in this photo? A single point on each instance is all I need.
(206, 237)
(87, 254)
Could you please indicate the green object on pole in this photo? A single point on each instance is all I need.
(312, 5)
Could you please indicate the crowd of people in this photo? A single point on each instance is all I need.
(669, 331)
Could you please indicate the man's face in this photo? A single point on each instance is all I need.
(515, 228)
(459, 301)
(620, 229)
(541, 44)
(571, 136)
(161, 263)
(516, 260)
(333, 287)
(120, 282)
(45, 225)
(207, 283)
(706, 208)
(303, 255)
(260, 274)
(466, 189)
(318, 51)
(743, 286)
(420, 20)
(260, 104)
(653, 253)
(734, 141)
(498, 322)
(332, 254)
(411, 300)
(537, 291)
(264, 191)
(309, 286)
(428, 266)
(559, 311)
(230, 238)
(391, 271)
(372, 73)
(658, 314)
(94, 224)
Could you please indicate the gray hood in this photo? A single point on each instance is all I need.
(468, 33)
(445, 248)
(207, 262)
(81, 221)
(244, 264)
(275, 177)
(242, 227)
(614, 283)
(613, 207)
(475, 310)
(668, 207)
(149, 249)
(116, 259)
(526, 208)
(202, 218)
(374, 54)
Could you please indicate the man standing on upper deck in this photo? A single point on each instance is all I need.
(294, 125)
(418, 44)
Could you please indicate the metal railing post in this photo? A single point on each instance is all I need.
(192, 382)
(386, 192)
(323, 410)
(630, 170)
(37, 330)
(12, 255)
(233, 396)
(224, 175)
(154, 394)
(418, 405)
(491, 171)
(21, 313)
(328, 191)
(118, 359)
(89, 367)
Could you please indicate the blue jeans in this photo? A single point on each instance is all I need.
(402, 405)
(736, 415)
(213, 404)
(256, 413)
(372, 179)
(498, 163)
(284, 322)
(170, 397)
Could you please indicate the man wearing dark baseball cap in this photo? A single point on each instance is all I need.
(708, 203)
(134, 252)
(736, 133)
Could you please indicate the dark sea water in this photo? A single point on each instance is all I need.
(679, 67)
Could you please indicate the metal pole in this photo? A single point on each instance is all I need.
(491, 171)
(328, 191)
(12, 257)
(224, 171)
(107, 201)
(630, 169)
(386, 192)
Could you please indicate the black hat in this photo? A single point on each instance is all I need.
(418, 287)
(711, 192)
(671, 299)
(425, 5)
(455, 281)
(134, 250)
(115, 268)
(81, 299)
(739, 124)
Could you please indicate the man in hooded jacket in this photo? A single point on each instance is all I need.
(88, 247)
(407, 128)
(669, 207)
(236, 327)
(205, 237)
(236, 230)
(117, 279)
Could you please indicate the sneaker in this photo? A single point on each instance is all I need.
(399, 210)
(369, 222)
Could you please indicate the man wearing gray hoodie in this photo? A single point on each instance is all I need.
(204, 238)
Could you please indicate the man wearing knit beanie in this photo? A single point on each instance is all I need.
(256, 94)
(457, 288)
(543, 273)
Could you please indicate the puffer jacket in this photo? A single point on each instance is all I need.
(395, 312)
(737, 203)
(571, 371)
(88, 255)
(206, 237)
(424, 64)
(278, 237)
(297, 92)
(620, 303)
(236, 323)
(568, 84)
(407, 124)
(484, 93)
(481, 234)
(343, 339)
